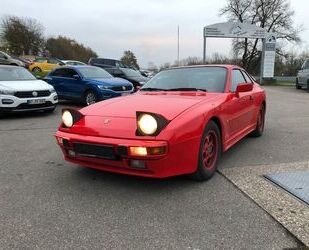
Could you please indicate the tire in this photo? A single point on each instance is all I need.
(36, 70)
(297, 85)
(209, 153)
(308, 87)
(90, 97)
(260, 123)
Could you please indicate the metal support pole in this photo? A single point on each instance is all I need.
(262, 61)
(204, 51)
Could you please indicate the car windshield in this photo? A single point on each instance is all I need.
(131, 72)
(94, 72)
(15, 74)
(210, 79)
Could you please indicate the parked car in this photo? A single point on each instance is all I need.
(302, 79)
(73, 62)
(131, 75)
(43, 64)
(8, 60)
(26, 61)
(87, 84)
(178, 123)
(106, 63)
(21, 91)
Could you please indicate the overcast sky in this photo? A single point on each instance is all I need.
(147, 27)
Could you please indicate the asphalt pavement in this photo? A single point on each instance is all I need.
(46, 203)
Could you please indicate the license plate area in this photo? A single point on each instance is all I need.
(36, 101)
(95, 151)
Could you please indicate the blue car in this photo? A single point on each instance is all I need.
(87, 84)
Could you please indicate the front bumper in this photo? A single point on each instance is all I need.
(175, 161)
(10, 103)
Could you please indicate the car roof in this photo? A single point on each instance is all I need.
(228, 66)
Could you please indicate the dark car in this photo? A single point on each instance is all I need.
(87, 84)
(134, 76)
(106, 63)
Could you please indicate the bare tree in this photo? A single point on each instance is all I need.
(22, 35)
(273, 15)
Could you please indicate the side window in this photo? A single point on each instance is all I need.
(2, 56)
(69, 73)
(52, 61)
(307, 64)
(237, 78)
(248, 79)
(59, 73)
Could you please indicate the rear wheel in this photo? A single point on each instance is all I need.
(36, 70)
(90, 98)
(260, 123)
(297, 85)
(209, 153)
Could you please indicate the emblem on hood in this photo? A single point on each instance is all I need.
(34, 93)
(107, 121)
(123, 87)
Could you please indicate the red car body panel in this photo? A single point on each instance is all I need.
(113, 122)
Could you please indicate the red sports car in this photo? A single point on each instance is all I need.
(178, 123)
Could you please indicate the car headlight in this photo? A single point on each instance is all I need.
(52, 90)
(69, 117)
(103, 87)
(149, 123)
(6, 92)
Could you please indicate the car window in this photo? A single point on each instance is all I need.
(211, 79)
(237, 78)
(307, 64)
(2, 55)
(40, 60)
(53, 61)
(69, 73)
(58, 72)
(248, 79)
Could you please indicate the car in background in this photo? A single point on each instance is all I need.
(8, 60)
(147, 73)
(73, 62)
(27, 62)
(302, 79)
(87, 84)
(43, 64)
(106, 63)
(134, 76)
(178, 123)
(21, 91)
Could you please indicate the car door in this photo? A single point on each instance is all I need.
(55, 79)
(304, 74)
(73, 84)
(240, 107)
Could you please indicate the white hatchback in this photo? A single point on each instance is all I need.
(21, 91)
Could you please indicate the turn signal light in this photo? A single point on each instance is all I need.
(144, 151)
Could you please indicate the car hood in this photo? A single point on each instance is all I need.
(25, 85)
(110, 81)
(167, 104)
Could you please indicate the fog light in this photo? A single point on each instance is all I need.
(71, 153)
(138, 151)
(138, 164)
(7, 101)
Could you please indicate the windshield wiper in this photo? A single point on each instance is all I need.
(152, 89)
(187, 89)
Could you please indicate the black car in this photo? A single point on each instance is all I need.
(119, 69)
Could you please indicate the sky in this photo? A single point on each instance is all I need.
(146, 27)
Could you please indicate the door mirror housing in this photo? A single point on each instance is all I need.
(244, 87)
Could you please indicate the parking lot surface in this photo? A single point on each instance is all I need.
(48, 203)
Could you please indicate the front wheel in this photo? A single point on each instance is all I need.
(36, 70)
(209, 152)
(297, 85)
(259, 123)
(90, 98)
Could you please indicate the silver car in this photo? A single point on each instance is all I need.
(8, 60)
(302, 79)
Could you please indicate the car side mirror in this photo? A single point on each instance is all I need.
(76, 77)
(244, 87)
